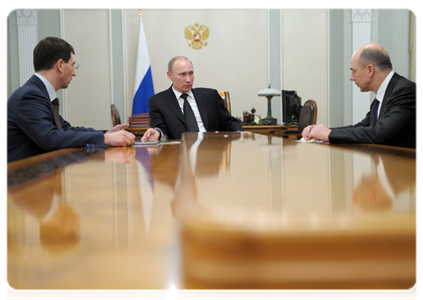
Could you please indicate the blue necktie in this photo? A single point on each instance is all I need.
(375, 109)
(190, 120)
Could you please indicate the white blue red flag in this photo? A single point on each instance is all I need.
(144, 88)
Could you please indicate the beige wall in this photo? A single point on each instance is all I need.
(235, 59)
(87, 100)
(302, 61)
(305, 56)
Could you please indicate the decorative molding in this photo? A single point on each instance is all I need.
(361, 15)
(26, 16)
(27, 40)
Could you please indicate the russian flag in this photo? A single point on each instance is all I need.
(144, 88)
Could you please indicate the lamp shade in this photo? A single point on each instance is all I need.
(269, 92)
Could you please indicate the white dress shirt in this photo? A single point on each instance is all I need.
(382, 89)
(50, 89)
(193, 103)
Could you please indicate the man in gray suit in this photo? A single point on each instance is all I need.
(392, 116)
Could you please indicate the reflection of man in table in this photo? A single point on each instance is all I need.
(165, 166)
(380, 190)
(119, 154)
(202, 155)
(177, 166)
(59, 224)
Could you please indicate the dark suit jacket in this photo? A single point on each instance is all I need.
(166, 114)
(31, 129)
(396, 125)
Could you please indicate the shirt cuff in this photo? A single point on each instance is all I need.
(162, 136)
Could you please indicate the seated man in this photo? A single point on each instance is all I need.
(33, 122)
(393, 121)
(182, 108)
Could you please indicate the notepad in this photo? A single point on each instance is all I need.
(310, 141)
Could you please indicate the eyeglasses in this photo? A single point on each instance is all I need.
(75, 66)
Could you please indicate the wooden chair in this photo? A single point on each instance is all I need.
(308, 116)
(115, 116)
(226, 100)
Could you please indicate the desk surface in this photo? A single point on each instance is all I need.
(262, 129)
(219, 210)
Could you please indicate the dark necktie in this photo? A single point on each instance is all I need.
(55, 103)
(190, 120)
(375, 109)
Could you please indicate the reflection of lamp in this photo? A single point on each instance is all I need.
(269, 93)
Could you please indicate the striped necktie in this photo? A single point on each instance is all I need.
(190, 120)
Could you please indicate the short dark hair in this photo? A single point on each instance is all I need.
(376, 57)
(49, 50)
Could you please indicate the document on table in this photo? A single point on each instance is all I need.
(310, 141)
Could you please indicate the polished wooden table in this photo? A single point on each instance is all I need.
(262, 129)
(219, 210)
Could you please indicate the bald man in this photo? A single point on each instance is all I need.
(392, 116)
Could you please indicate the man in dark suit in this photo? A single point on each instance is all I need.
(33, 125)
(169, 110)
(392, 116)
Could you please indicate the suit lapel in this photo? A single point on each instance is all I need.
(201, 101)
(37, 81)
(171, 102)
(388, 91)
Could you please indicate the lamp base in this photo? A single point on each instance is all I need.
(269, 121)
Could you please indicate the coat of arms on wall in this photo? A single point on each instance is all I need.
(197, 35)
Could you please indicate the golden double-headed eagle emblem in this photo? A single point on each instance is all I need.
(197, 35)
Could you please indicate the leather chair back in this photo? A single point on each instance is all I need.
(308, 115)
(226, 100)
(115, 116)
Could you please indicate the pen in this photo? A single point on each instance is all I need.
(170, 142)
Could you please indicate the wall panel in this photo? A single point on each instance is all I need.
(305, 56)
(88, 97)
(235, 58)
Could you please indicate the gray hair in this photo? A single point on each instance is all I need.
(376, 57)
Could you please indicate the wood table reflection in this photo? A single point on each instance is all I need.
(219, 210)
